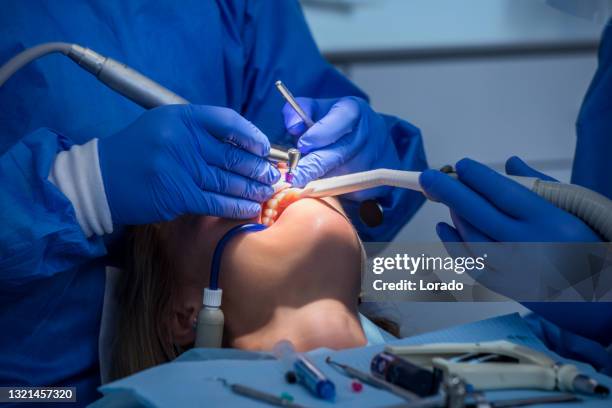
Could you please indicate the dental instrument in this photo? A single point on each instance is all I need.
(291, 101)
(591, 207)
(294, 157)
(210, 321)
(373, 381)
(112, 73)
(294, 154)
(284, 400)
(499, 365)
(306, 372)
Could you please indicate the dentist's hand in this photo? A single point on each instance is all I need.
(486, 206)
(348, 136)
(174, 160)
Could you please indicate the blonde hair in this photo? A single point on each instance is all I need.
(145, 292)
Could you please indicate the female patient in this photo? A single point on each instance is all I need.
(298, 280)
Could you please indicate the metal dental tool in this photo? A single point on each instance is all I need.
(277, 153)
(258, 395)
(294, 157)
(591, 207)
(294, 154)
(291, 101)
(114, 74)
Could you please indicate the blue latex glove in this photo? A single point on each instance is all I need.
(486, 206)
(173, 160)
(348, 136)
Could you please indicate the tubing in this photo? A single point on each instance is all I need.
(591, 207)
(210, 321)
(29, 55)
(117, 76)
(218, 254)
(349, 183)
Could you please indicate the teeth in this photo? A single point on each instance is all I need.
(275, 206)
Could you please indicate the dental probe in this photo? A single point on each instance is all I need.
(294, 154)
(258, 395)
(291, 101)
(591, 207)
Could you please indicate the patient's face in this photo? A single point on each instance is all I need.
(299, 279)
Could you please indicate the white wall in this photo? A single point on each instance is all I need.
(486, 107)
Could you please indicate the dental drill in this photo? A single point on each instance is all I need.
(591, 207)
(117, 76)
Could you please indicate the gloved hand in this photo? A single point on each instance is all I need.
(486, 206)
(348, 136)
(174, 160)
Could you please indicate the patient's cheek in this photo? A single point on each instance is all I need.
(274, 207)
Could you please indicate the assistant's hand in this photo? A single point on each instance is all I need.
(348, 136)
(486, 206)
(173, 160)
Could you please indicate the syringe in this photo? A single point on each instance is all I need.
(305, 370)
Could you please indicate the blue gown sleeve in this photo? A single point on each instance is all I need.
(592, 161)
(40, 235)
(571, 345)
(279, 45)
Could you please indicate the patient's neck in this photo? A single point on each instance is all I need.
(297, 280)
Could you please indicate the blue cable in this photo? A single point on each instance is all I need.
(216, 261)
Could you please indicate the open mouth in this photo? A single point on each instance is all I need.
(274, 207)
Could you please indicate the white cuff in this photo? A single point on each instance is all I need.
(76, 172)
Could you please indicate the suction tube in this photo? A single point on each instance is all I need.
(210, 322)
(215, 269)
(591, 207)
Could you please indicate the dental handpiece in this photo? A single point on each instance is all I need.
(117, 76)
(591, 207)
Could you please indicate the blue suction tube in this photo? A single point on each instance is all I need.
(215, 268)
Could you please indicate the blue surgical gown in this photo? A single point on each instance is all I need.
(583, 330)
(226, 53)
(593, 158)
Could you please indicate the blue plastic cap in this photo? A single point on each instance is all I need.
(326, 390)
